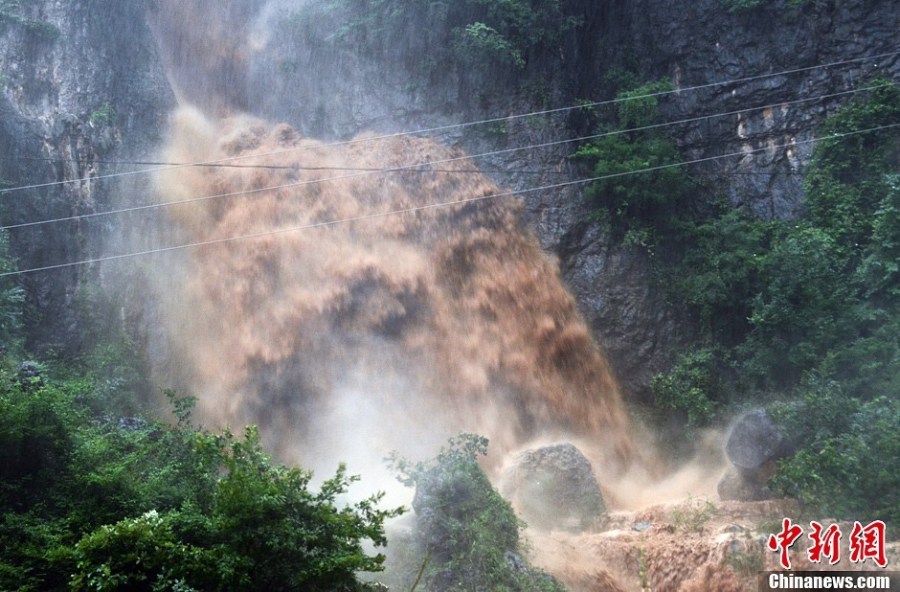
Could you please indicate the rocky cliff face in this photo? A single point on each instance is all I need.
(699, 43)
(696, 44)
(84, 84)
(81, 87)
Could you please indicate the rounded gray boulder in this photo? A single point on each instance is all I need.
(754, 440)
(554, 487)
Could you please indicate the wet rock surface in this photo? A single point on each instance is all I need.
(82, 88)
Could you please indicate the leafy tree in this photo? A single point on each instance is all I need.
(38, 440)
(479, 42)
(140, 553)
(849, 176)
(880, 269)
(721, 270)
(262, 529)
(639, 106)
(802, 311)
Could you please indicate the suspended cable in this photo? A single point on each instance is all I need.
(464, 124)
(421, 167)
(292, 167)
(415, 209)
(145, 163)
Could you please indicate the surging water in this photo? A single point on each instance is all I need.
(422, 322)
(381, 328)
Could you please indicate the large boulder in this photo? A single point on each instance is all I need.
(554, 488)
(754, 445)
(754, 440)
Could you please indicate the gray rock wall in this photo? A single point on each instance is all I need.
(80, 87)
(697, 44)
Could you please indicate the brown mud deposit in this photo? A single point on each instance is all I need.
(693, 546)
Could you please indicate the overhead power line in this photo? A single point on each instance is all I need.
(289, 167)
(145, 163)
(416, 209)
(424, 167)
(448, 127)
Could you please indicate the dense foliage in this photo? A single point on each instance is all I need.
(637, 208)
(467, 535)
(849, 461)
(92, 502)
(802, 311)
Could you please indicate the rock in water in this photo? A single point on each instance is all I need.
(554, 488)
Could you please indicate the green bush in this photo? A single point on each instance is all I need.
(261, 529)
(94, 502)
(849, 177)
(721, 269)
(477, 43)
(465, 531)
(802, 311)
(140, 553)
(689, 388)
(103, 115)
(880, 269)
(639, 106)
(848, 463)
(638, 208)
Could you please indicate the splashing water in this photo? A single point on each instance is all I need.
(427, 322)
(386, 331)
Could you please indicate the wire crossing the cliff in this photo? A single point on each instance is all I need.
(416, 209)
(444, 128)
(295, 167)
(424, 167)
